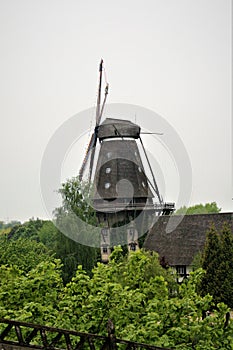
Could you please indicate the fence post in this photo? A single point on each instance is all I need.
(111, 335)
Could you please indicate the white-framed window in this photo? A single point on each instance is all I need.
(181, 270)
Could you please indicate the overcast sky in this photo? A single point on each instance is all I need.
(170, 56)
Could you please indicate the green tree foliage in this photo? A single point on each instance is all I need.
(197, 261)
(226, 266)
(207, 208)
(33, 295)
(71, 218)
(48, 235)
(68, 251)
(132, 291)
(73, 254)
(27, 230)
(76, 199)
(23, 253)
(36, 240)
(217, 261)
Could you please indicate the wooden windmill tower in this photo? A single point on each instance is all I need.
(122, 190)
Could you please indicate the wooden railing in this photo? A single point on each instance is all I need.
(21, 335)
(118, 206)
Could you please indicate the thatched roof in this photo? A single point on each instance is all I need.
(180, 246)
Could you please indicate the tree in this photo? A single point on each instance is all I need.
(217, 261)
(29, 229)
(208, 208)
(71, 218)
(21, 246)
(75, 202)
(48, 235)
(23, 253)
(76, 199)
(226, 266)
(133, 291)
(197, 261)
(73, 254)
(31, 296)
(210, 263)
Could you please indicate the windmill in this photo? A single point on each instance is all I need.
(123, 192)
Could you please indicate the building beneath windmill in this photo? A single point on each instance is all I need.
(180, 239)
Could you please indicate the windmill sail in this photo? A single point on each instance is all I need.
(90, 152)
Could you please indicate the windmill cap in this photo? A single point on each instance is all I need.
(115, 128)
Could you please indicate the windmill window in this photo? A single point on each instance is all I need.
(135, 153)
(109, 154)
(107, 185)
(139, 169)
(108, 170)
(143, 184)
(104, 232)
(131, 231)
(105, 250)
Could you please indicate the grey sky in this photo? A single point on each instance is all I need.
(171, 56)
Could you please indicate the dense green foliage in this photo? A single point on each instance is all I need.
(23, 253)
(48, 278)
(32, 295)
(73, 254)
(134, 292)
(71, 219)
(207, 208)
(27, 244)
(217, 261)
(76, 199)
